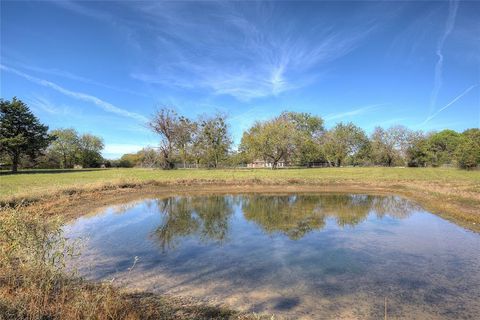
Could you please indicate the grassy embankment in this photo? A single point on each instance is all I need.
(452, 193)
(34, 284)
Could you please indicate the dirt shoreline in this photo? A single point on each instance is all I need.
(72, 203)
(460, 208)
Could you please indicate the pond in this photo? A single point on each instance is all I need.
(300, 256)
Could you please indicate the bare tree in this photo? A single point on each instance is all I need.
(390, 145)
(165, 123)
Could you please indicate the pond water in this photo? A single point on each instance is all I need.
(299, 256)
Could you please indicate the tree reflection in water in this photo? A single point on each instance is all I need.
(206, 217)
(292, 215)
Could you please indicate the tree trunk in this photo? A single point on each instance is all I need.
(15, 159)
(274, 165)
(338, 162)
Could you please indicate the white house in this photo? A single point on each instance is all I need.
(265, 164)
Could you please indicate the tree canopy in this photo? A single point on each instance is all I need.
(21, 132)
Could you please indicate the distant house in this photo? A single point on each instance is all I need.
(318, 164)
(265, 164)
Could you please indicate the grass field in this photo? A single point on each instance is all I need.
(31, 183)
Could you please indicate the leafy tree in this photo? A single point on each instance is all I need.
(237, 158)
(197, 148)
(417, 150)
(468, 149)
(90, 147)
(272, 140)
(47, 160)
(342, 142)
(66, 146)
(185, 133)
(145, 158)
(305, 122)
(21, 133)
(214, 139)
(308, 129)
(129, 160)
(442, 147)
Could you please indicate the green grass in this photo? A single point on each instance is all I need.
(45, 181)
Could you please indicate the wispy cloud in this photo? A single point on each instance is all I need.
(245, 51)
(83, 10)
(438, 78)
(466, 91)
(72, 76)
(354, 112)
(44, 104)
(106, 106)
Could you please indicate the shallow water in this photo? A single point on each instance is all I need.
(298, 256)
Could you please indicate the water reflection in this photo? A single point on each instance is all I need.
(206, 217)
(292, 215)
(295, 255)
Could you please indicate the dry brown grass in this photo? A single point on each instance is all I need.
(34, 283)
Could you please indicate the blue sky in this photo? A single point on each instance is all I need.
(104, 67)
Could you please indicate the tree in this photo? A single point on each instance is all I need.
(417, 150)
(197, 148)
(149, 158)
(90, 147)
(185, 133)
(214, 139)
(145, 158)
(389, 146)
(129, 160)
(442, 147)
(165, 123)
(237, 158)
(66, 146)
(271, 140)
(308, 129)
(21, 133)
(343, 141)
(305, 122)
(468, 149)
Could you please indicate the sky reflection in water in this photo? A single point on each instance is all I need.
(294, 255)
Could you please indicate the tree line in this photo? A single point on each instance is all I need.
(301, 139)
(291, 138)
(27, 143)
